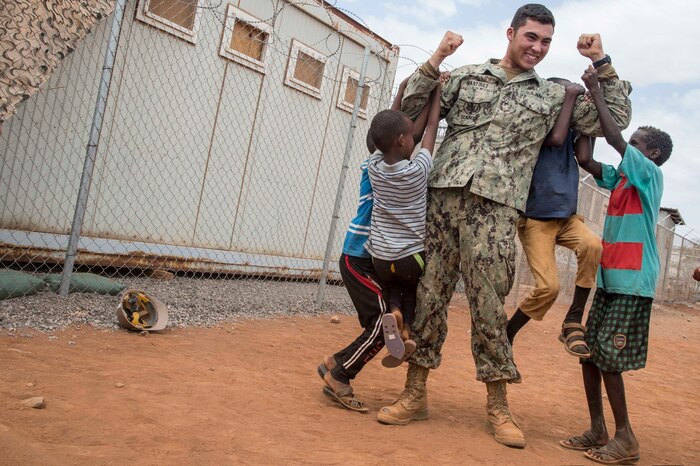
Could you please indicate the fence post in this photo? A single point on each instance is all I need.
(341, 181)
(669, 253)
(91, 150)
(678, 270)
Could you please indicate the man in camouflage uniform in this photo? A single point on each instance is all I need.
(498, 113)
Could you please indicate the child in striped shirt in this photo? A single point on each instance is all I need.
(361, 281)
(397, 232)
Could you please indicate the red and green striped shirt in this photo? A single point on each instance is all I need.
(630, 262)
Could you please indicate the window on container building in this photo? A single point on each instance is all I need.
(245, 39)
(305, 69)
(176, 17)
(348, 91)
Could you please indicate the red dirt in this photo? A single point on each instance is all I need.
(247, 393)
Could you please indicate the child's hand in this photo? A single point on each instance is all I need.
(590, 78)
(590, 46)
(449, 44)
(574, 89)
(444, 77)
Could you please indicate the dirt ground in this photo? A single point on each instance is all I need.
(247, 393)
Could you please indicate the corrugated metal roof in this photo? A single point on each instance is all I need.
(675, 215)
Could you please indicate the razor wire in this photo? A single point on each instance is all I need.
(221, 149)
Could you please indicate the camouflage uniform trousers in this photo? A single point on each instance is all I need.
(468, 232)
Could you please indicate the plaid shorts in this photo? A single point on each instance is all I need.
(617, 331)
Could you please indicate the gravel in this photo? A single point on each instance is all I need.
(196, 302)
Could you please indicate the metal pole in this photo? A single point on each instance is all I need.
(678, 272)
(669, 253)
(91, 150)
(341, 181)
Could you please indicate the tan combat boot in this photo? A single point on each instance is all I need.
(505, 429)
(412, 405)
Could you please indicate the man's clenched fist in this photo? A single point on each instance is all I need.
(590, 46)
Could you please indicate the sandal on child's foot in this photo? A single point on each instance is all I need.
(583, 442)
(573, 336)
(345, 398)
(613, 453)
(390, 361)
(392, 336)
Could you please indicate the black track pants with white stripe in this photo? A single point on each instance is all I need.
(362, 284)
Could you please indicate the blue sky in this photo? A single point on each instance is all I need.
(649, 42)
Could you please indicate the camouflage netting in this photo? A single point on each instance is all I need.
(35, 35)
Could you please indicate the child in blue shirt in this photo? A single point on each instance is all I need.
(363, 285)
(549, 220)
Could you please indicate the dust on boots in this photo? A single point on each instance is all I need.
(412, 405)
(505, 429)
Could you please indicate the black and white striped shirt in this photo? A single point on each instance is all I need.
(400, 200)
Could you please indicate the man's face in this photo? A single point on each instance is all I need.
(529, 44)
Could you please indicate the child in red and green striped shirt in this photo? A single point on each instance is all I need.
(618, 323)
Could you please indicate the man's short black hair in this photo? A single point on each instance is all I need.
(533, 11)
(657, 139)
(386, 126)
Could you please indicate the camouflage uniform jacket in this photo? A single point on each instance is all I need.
(495, 128)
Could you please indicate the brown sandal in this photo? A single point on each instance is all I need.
(582, 442)
(346, 398)
(391, 361)
(574, 338)
(612, 453)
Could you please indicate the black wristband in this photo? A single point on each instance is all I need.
(603, 61)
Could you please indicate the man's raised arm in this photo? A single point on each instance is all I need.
(423, 81)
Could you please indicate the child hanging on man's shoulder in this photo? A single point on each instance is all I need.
(361, 281)
(549, 220)
(400, 186)
(618, 322)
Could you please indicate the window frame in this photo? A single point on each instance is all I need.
(349, 106)
(144, 15)
(291, 81)
(233, 15)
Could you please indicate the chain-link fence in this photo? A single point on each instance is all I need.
(678, 256)
(219, 149)
(225, 141)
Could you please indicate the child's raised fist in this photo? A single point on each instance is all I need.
(444, 77)
(574, 89)
(590, 78)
